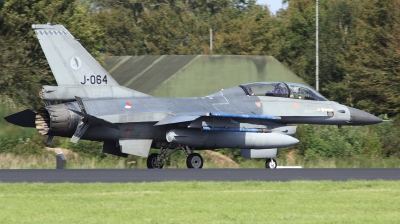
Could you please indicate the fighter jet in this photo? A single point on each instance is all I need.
(89, 104)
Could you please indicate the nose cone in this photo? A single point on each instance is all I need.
(359, 117)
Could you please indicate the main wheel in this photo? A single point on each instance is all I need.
(194, 161)
(152, 162)
(271, 163)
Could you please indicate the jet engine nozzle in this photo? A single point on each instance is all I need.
(56, 120)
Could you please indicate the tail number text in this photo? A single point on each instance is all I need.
(94, 79)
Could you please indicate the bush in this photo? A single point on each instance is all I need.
(318, 141)
(84, 147)
(22, 146)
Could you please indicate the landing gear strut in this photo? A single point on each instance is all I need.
(193, 160)
(271, 163)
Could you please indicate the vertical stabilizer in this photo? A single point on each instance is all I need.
(77, 73)
(68, 59)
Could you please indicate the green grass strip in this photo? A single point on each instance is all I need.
(202, 202)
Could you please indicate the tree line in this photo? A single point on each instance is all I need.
(359, 40)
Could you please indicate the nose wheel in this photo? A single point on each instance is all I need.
(271, 163)
(194, 161)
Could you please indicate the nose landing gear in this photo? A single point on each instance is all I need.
(271, 163)
(194, 161)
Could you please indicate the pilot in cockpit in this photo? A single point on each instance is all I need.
(294, 92)
(280, 91)
(250, 91)
(297, 92)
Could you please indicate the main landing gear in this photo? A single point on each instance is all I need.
(193, 160)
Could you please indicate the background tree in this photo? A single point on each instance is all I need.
(23, 67)
(371, 62)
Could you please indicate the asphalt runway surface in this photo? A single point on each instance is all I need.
(144, 175)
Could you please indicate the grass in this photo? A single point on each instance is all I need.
(202, 202)
(47, 160)
(349, 162)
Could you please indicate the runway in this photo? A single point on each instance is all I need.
(144, 175)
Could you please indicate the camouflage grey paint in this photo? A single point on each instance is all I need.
(130, 122)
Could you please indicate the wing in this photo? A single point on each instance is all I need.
(179, 118)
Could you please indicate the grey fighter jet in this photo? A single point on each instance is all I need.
(91, 105)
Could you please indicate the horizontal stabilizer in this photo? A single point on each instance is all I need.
(25, 118)
(172, 119)
(96, 120)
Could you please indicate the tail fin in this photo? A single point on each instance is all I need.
(77, 73)
(68, 59)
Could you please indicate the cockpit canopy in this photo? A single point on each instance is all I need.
(282, 89)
